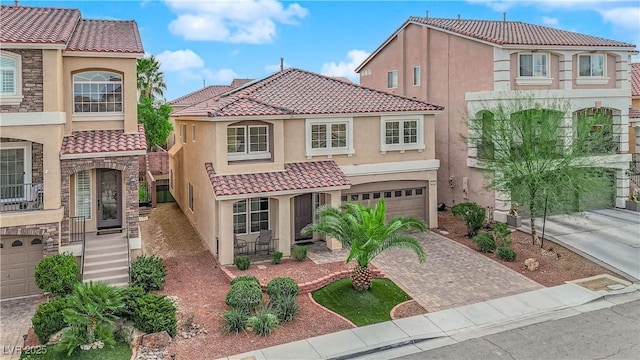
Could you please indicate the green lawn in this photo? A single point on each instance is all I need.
(120, 351)
(362, 308)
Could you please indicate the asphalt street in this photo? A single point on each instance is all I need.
(612, 333)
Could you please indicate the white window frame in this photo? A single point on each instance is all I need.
(94, 115)
(26, 146)
(87, 200)
(394, 79)
(248, 154)
(190, 194)
(248, 212)
(402, 147)
(533, 79)
(416, 75)
(329, 150)
(591, 79)
(16, 97)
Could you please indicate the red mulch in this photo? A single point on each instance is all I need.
(300, 271)
(408, 309)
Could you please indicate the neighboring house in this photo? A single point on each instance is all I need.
(266, 155)
(634, 112)
(468, 66)
(69, 142)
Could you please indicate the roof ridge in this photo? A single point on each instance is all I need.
(198, 91)
(40, 7)
(255, 85)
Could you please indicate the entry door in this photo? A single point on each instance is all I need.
(109, 199)
(303, 214)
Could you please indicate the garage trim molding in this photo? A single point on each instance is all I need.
(391, 168)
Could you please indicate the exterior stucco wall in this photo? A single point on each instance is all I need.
(32, 82)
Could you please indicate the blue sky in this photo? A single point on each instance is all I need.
(216, 41)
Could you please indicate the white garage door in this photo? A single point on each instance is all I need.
(18, 259)
(406, 198)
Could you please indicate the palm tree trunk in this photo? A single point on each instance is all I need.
(361, 278)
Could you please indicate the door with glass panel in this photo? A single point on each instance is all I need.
(109, 199)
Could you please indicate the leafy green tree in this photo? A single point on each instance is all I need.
(150, 79)
(366, 233)
(542, 154)
(155, 118)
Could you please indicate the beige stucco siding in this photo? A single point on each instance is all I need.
(53, 83)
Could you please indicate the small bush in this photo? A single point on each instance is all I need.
(235, 321)
(57, 274)
(155, 313)
(472, 214)
(48, 318)
(242, 262)
(249, 278)
(244, 296)
(505, 253)
(129, 298)
(282, 287)
(264, 322)
(148, 272)
(299, 252)
(285, 308)
(484, 242)
(276, 257)
(502, 234)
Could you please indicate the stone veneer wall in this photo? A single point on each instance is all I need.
(37, 159)
(128, 165)
(32, 82)
(48, 231)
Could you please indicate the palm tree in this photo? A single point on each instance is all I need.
(364, 231)
(150, 78)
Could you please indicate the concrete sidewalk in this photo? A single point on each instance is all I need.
(418, 333)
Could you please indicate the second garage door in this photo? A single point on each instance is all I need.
(19, 257)
(405, 198)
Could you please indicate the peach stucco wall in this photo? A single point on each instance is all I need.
(554, 73)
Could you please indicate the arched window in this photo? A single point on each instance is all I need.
(16, 243)
(36, 241)
(594, 127)
(97, 92)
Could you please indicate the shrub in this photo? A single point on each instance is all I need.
(264, 322)
(148, 272)
(472, 214)
(484, 242)
(276, 257)
(57, 274)
(282, 287)
(502, 234)
(48, 318)
(244, 296)
(249, 278)
(505, 253)
(155, 313)
(285, 308)
(235, 321)
(299, 252)
(129, 297)
(242, 262)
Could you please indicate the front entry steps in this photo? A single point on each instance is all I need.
(106, 259)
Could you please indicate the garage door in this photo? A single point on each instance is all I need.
(19, 257)
(406, 198)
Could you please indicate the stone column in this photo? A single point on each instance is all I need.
(502, 206)
(622, 188)
(335, 201)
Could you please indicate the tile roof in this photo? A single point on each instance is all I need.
(103, 141)
(296, 176)
(203, 94)
(635, 79)
(516, 33)
(35, 25)
(634, 113)
(106, 36)
(299, 92)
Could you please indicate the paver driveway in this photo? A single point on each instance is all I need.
(15, 320)
(452, 274)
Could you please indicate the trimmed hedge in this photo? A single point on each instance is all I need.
(155, 313)
(244, 296)
(485, 242)
(148, 272)
(57, 274)
(282, 287)
(48, 319)
(241, 278)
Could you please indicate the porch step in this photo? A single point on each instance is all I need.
(105, 256)
(105, 241)
(116, 280)
(107, 272)
(104, 265)
(105, 249)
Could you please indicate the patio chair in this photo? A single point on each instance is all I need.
(263, 241)
(239, 245)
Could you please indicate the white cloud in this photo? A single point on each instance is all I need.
(549, 21)
(346, 68)
(235, 21)
(623, 17)
(179, 60)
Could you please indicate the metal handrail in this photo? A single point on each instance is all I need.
(128, 253)
(74, 220)
(21, 197)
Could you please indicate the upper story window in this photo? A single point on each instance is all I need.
(97, 92)
(392, 79)
(15, 170)
(591, 65)
(534, 65)
(401, 133)
(329, 136)
(10, 78)
(416, 76)
(183, 133)
(248, 142)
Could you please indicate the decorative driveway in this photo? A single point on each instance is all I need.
(15, 321)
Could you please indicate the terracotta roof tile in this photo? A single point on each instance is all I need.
(203, 94)
(634, 113)
(103, 141)
(106, 36)
(298, 92)
(635, 79)
(296, 176)
(36, 25)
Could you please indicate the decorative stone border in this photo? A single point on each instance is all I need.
(392, 313)
(331, 312)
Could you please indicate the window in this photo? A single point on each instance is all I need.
(387, 194)
(97, 92)
(190, 197)
(248, 142)
(376, 195)
(401, 133)
(171, 178)
(10, 78)
(416, 76)
(329, 137)
(534, 65)
(408, 192)
(392, 79)
(343, 198)
(193, 133)
(354, 197)
(398, 193)
(15, 170)
(366, 196)
(591, 65)
(418, 191)
(183, 133)
(83, 194)
(250, 214)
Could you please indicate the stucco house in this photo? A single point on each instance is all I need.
(634, 126)
(265, 155)
(468, 66)
(69, 145)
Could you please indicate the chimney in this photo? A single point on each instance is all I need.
(504, 16)
(16, 3)
(426, 15)
(458, 16)
(281, 63)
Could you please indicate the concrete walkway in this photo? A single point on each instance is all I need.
(418, 333)
(611, 236)
(15, 321)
